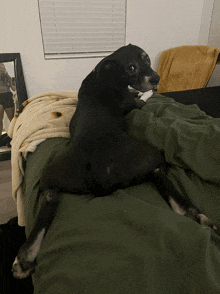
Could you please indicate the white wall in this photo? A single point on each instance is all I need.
(159, 25)
(21, 33)
(207, 12)
(153, 25)
(214, 34)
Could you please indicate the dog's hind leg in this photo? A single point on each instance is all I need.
(25, 261)
(181, 205)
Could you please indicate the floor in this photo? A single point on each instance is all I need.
(7, 204)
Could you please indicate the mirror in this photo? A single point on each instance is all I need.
(12, 94)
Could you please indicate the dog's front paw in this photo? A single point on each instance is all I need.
(200, 218)
(146, 95)
(206, 222)
(22, 268)
(25, 261)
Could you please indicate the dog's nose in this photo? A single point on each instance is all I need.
(154, 80)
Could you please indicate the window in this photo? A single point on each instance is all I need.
(82, 28)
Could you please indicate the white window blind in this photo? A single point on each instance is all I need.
(74, 28)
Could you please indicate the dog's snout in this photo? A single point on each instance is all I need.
(155, 79)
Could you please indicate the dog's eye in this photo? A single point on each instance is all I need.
(131, 68)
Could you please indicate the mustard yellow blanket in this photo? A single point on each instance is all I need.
(186, 67)
(43, 116)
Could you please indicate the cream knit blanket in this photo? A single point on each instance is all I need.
(43, 116)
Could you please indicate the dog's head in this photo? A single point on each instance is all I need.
(129, 65)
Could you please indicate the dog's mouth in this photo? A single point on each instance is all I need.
(155, 86)
(147, 84)
(145, 88)
(150, 88)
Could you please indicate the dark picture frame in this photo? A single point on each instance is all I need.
(19, 76)
(20, 87)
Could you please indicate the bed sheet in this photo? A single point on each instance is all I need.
(131, 241)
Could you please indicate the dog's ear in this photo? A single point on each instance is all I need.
(111, 68)
(110, 65)
(109, 71)
(106, 65)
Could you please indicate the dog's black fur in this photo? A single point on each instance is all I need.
(102, 157)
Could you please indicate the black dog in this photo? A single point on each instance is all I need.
(102, 157)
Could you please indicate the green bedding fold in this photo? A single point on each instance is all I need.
(190, 140)
(131, 241)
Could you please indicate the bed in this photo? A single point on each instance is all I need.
(131, 241)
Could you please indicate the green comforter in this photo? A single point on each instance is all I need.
(131, 241)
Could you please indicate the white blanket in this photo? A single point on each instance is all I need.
(43, 116)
